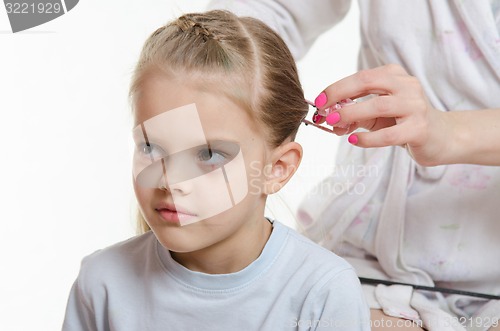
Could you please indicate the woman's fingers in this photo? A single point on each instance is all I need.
(380, 80)
(390, 136)
(369, 112)
(397, 113)
(340, 131)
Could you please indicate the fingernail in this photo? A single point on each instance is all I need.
(333, 118)
(353, 139)
(320, 101)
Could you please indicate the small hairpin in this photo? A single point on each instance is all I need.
(317, 113)
(307, 122)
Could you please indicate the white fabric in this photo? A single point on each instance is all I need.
(423, 225)
(297, 22)
(395, 301)
(293, 285)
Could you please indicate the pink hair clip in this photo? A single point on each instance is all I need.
(325, 112)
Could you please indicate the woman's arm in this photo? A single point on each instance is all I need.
(474, 138)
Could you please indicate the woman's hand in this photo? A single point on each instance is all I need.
(398, 113)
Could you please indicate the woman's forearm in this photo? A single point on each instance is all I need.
(475, 137)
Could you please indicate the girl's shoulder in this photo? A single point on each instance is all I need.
(123, 257)
(312, 255)
(319, 271)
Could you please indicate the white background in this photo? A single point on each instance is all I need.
(65, 164)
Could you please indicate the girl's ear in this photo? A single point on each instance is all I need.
(285, 161)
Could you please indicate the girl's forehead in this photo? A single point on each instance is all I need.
(197, 115)
(184, 107)
(158, 93)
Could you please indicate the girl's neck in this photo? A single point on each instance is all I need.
(232, 254)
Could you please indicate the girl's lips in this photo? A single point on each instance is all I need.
(173, 207)
(174, 214)
(169, 215)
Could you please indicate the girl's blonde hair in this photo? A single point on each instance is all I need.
(239, 57)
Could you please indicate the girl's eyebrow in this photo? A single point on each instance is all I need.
(215, 140)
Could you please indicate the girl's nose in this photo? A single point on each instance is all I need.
(172, 179)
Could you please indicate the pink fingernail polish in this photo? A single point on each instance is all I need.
(333, 118)
(353, 139)
(320, 101)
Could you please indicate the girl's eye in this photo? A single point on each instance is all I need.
(211, 157)
(146, 149)
(151, 150)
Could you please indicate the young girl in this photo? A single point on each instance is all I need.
(217, 103)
